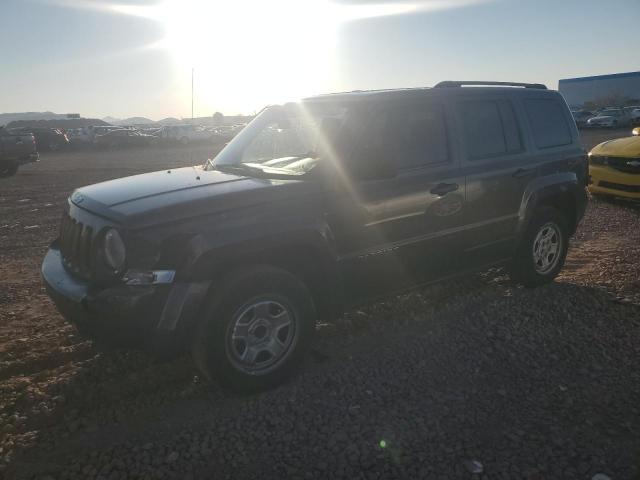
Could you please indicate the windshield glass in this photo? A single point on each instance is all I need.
(287, 139)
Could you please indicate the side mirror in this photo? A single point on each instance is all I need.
(369, 164)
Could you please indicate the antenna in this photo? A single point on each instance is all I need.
(192, 94)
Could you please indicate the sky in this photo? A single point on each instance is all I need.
(126, 58)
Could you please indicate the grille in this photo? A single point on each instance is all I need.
(75, 246)
(621, 187)
(627, 165)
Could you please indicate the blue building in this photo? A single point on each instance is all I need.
(577, 91)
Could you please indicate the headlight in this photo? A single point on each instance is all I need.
(114, 250)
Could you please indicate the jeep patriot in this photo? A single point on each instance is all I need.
(317, 205)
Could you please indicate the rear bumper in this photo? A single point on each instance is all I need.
(160, 316)
(609, 181)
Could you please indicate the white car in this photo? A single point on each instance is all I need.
(610, 118)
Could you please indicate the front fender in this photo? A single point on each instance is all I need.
(211, 252)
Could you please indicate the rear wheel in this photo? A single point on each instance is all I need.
(542, 250)
(255, 329)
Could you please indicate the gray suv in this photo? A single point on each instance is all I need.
(316, 205)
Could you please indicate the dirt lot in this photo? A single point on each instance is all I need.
(471, 378)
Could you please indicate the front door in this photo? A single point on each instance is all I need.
(395, 232)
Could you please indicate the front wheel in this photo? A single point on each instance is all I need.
(255, 329)
(542, 250)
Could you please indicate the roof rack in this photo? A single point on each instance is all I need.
(451, 83)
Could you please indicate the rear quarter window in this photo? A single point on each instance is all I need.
(548, 123)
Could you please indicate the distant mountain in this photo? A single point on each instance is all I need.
(136, 121)
(6, 118)
(128, 121)
(111, 120)
(169, 121)
(64, 123)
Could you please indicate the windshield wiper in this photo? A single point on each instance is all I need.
(240, 168)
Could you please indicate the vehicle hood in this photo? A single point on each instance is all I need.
(621, 147)
(179, 194)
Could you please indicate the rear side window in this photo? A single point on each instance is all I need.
(419, 135)
(548, 123)
(490, 128)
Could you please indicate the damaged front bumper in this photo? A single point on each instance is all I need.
(160, 315)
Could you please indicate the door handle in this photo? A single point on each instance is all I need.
(522, 172)
(443, 188)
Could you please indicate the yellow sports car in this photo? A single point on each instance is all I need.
(614, 167)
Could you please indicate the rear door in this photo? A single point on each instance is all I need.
(404, 230)
(497, 167)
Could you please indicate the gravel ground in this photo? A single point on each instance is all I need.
(471, 378)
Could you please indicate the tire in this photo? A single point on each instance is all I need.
(547, 227)
(8, 169)
(247, 320)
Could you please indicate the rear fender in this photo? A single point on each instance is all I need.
(542, 189)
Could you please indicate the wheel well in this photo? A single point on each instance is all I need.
(564, 203)
(312, 267)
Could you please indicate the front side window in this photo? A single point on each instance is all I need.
(419, 136)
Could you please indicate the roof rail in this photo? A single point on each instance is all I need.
(451, 83)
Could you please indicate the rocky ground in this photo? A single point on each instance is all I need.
(472, 378)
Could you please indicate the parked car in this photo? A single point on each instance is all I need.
(635, 115)
(224, 134)
(610, 118)
(79, 136)
(186, 133)
(15, 150)
(46, 138)
(581, 117)
(614, 167)
(317, 205)
(123, 138)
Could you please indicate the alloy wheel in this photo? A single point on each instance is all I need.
(261, 336)
(547, 248)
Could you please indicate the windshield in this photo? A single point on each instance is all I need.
(286, 139)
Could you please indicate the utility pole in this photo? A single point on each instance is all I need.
(191, 94)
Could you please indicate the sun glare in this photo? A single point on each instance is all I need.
(252, 52)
